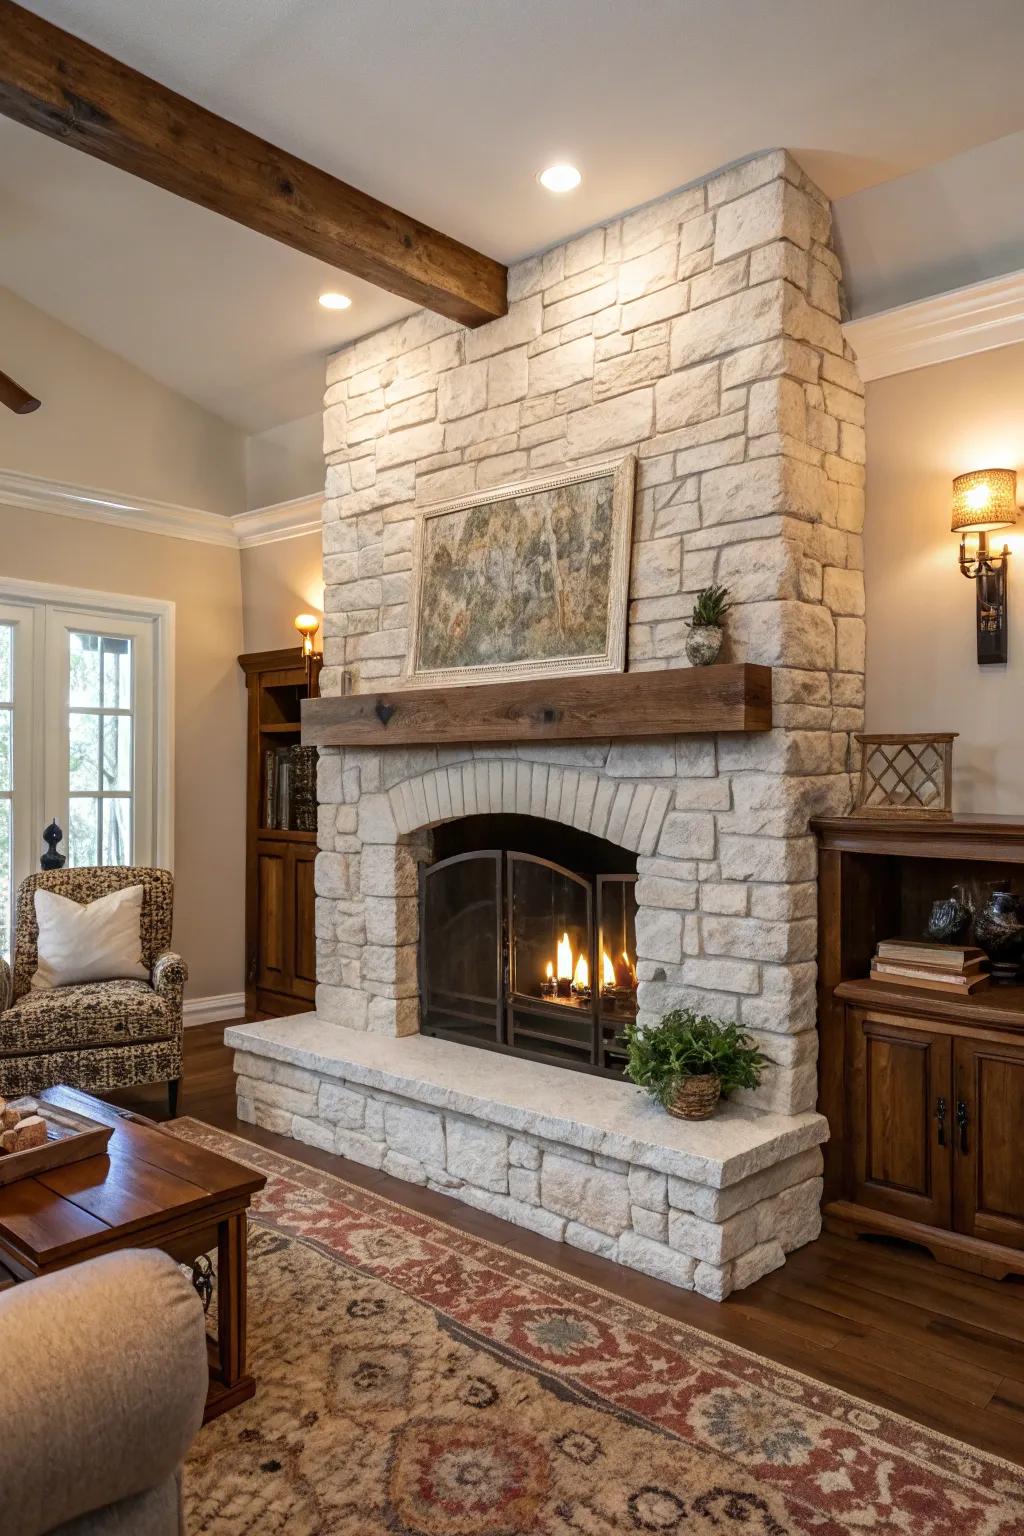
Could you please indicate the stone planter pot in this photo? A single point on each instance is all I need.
(703, 644)
(695, 1098)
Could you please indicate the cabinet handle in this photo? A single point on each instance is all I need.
(940, 1115)
(961, 1120)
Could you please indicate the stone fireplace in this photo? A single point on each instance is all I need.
(702, 333)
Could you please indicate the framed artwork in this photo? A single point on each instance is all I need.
(524, 581)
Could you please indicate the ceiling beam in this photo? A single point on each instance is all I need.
(63, 87)
(15, 398)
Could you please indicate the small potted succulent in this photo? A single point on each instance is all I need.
(704, 641)
(688, 1061)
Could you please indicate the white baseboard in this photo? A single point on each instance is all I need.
(214, 1010)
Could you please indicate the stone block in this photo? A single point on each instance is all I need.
(359, 1148)
(415, 1133)
(341, 1106)
(579, 1236)
(477, 1153)
(687, 835)
(655, 1259)
(651, 1224)
(755, 1263)
(523, 1154)
(562, 366)
(524, 1185)
(534, 1217)
(611, 424)
(715, 1241)
(713, 1280)
(580, 1192)
(755, 315)
(684, 398)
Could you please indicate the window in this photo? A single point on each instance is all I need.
(85, 731)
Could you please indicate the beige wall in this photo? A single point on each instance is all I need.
(278, 581)
(285, 462)
(923, 428)
(202, 580)
(106, 425)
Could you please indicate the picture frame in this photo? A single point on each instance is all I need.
(523, 581)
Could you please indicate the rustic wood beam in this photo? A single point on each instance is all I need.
(63, 87)
(15, 398)
(589, 706)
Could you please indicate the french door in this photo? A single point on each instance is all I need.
(79, 739)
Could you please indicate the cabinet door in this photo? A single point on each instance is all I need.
(899, 1091)
(304, 926)
(271, 915)
(989, 1110)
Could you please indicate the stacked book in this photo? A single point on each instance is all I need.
(958, 969)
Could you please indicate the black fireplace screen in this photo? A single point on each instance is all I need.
(519, 954)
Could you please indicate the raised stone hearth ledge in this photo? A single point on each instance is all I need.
(709, 1205)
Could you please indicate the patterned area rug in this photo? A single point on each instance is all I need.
(418, 1381)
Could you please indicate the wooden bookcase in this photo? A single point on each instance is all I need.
(280, 950)
(924, 1092)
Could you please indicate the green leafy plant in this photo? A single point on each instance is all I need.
(688, 1044)
(711, 607)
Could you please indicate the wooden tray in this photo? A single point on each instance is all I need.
(69, 1137)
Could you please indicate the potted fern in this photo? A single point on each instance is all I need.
(704, 641)
(688, 1061)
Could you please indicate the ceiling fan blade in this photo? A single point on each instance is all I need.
(15, 398)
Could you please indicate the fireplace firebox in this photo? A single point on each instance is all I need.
(528, 941)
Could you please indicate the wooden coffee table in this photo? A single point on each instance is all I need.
(149, 1190)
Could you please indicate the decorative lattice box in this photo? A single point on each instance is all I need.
(906, 775)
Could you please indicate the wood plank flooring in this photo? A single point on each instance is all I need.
(880, 1320)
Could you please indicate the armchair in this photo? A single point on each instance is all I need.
(97, 1035)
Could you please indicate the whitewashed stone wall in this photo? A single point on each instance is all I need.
(691, 1234)
(701, 332)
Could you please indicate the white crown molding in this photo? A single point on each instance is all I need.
(938, 329)
(213, 1010)
(266, 525)
(285, 520)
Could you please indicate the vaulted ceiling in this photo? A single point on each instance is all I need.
(447, 109)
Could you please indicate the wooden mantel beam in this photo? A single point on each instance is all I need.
(586, 707)
(63, 87)
(15, 398)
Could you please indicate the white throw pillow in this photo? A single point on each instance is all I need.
(100, 941)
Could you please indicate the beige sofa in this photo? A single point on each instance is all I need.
(103, 1378)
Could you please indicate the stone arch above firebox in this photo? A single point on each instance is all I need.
(622, 811)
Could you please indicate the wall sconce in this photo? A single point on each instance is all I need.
(984, 501)
(307, 625)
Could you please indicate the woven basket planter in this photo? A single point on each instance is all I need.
(695, 1098)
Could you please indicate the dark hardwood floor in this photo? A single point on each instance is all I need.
(884, 1322)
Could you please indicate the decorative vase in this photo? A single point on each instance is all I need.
(703, 644)
(1000, 932)
(950, 918)
(695, 1098)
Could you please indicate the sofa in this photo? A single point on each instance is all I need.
(99, 1035)
(103, 1379)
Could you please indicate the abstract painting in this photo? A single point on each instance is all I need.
(524, 581)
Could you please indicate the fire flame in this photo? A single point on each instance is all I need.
(550, 972)
(564, 958)
(581, 976)
(607, 970)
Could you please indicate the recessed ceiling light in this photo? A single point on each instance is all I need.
(335, 300)
(560, 178)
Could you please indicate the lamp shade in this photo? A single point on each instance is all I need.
(984, 499)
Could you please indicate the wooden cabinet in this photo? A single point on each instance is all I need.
(899, 1104)
(923, 1091)
(989, 1186)
(279, 926)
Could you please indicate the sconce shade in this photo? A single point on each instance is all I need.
(984, 499)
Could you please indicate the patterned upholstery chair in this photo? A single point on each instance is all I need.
(102, 1034)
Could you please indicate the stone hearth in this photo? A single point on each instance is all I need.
(584, 1160)
(702, 333)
